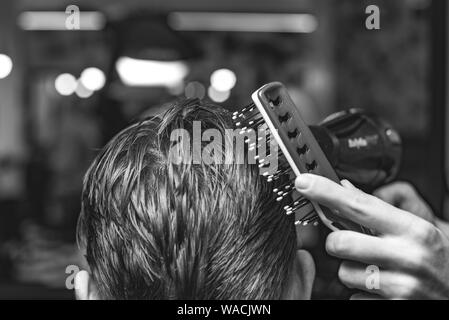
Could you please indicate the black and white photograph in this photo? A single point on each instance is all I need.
(224, 155)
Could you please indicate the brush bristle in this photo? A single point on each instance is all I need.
(249, 118)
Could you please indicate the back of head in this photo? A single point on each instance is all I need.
(154, 229)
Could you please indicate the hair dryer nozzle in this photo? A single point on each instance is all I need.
(361, 147)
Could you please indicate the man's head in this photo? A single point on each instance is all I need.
(153, 229)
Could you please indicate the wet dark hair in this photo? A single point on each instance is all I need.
(157, 230)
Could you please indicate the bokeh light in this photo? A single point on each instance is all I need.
(65, 84)
(93, 79)
(218, 96)
(195, 89)
(151, 73)
(83, 92)
(223, 80)
(5, 66)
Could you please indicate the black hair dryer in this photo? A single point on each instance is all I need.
(361, 147)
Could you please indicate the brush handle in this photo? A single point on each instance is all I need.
(298, 145)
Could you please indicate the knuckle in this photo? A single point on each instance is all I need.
(417, 261)
(359, 201)
(421, 258)
(432, 234)
(424, 232)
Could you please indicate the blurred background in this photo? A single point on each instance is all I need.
(64, 93)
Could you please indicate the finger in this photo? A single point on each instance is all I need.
(375, 281)
(404, 196)
(395, 193)
(366, 296)
(356, 246)
(355, 205)
(347, 184)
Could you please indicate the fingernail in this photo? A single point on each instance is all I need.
(303, 181)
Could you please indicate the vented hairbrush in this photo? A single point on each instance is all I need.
(300, 152)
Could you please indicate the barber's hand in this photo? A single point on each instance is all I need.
(411, 253)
